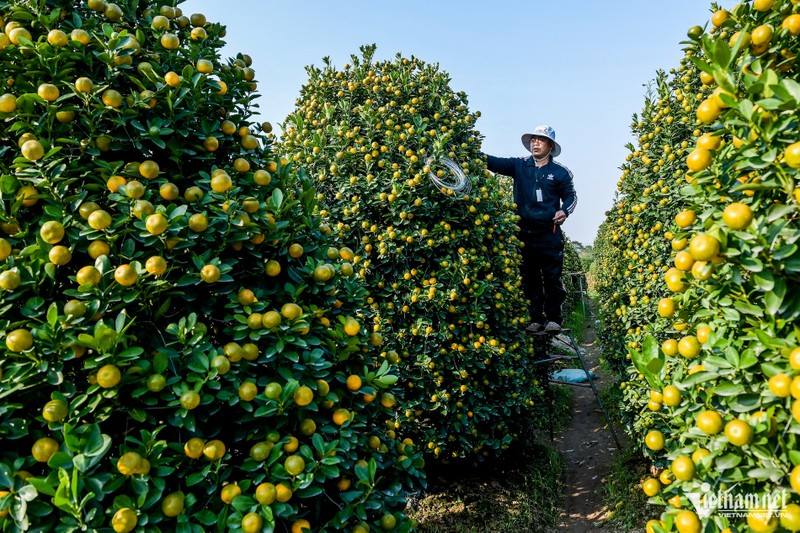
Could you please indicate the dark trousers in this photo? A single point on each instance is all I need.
(542, 264)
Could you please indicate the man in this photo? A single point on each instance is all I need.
(545, 197)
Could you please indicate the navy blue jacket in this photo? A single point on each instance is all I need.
(553, 182)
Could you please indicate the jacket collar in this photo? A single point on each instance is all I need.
(532, 163)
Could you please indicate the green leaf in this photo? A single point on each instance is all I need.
(768, 339)
(188, 279)
(104, 337)
(794, 457)
(779, 212)
(773, 474)
(187, 72)
(97, 444)
(770, 104)
(732, 356)
(86, 340)
(61, 498)
(764, 280)
(196, 478)
(774, 298)
(60, 460)
(160, 362)
(130, 353)
(243, 503)
(9, 184)
(792, 89)
(6, 476)
(702, 65)
(318, 443)
(28, 493)
(728, 389)
(784, 251)
(650, 362)
(713, 361)
(383, 369)
(350, 496)
(83, 463)
(309, 492)
(769, 79)
(747, 359)
(727, 461)
(119, 323)
(748, 309)
(699, 377)
(745, 107)
(362, 473)
(276, 200)
(205, 517)
(178, 212)
(387, 380)
(44, 488)
(60, 501)
(792, 265)
(745, 403)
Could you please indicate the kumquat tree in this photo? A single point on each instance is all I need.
(440, 263)
(183, 347)
(700, 275)
(205, 328)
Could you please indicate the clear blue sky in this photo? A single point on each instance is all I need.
(579, 66)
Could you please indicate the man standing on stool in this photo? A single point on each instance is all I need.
(545, 197)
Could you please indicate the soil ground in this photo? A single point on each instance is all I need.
(588, 448)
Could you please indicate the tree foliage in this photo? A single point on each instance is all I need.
(180, 350)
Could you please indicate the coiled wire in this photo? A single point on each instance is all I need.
(459, 183)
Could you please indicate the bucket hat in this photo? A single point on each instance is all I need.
(542, 131)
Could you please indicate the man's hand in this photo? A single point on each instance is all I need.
(560, 217)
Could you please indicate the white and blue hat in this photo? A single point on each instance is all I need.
(542, 131)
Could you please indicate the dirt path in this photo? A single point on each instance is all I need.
(587, 446)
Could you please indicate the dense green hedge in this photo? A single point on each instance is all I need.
(711, 328)
(441, 268)
(181, 346)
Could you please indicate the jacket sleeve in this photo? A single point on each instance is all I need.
(501, 165)
(569, 198)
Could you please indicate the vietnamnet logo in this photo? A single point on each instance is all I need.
(737, 505)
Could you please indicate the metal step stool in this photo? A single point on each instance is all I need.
(544, 360)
